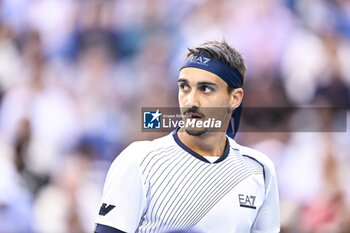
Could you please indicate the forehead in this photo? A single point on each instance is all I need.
(195, 75)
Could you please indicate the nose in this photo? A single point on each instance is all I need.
(192, 99)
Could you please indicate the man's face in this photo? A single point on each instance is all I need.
(204, 95)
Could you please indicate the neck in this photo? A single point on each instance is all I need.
(211, 144)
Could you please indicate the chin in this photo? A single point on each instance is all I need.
(196, 133)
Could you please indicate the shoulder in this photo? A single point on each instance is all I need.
(255, 156)
(137, 151)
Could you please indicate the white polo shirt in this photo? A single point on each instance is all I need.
(162, 185)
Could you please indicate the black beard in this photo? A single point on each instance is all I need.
(196, 133)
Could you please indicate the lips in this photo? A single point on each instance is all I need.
(193, 115)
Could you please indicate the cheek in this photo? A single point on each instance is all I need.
(180, 98)
(223, 101)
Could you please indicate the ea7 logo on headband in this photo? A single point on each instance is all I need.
(105, 209)
(199, 59)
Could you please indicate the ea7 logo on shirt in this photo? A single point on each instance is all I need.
(246, 201)
(105, 209)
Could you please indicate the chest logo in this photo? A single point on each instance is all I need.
(247, 201)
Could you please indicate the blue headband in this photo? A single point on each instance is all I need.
(231, 76)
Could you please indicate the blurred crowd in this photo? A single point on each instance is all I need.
(74, 75)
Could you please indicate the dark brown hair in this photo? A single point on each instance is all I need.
(223, 52)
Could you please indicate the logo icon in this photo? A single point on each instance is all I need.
(246, 201)
(105, 209)
(151, 120)
(200, 60)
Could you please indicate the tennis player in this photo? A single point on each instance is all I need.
(196, 178)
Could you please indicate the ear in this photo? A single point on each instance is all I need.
(236, 98)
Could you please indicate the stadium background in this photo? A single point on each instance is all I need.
(74, 75)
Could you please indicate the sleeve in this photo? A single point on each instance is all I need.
(124, 195)
(268, 217)
(106, 229)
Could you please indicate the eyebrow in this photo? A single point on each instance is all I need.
(207, 84)
(181, 80)
(199, 84)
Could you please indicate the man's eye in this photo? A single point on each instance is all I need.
(184, 87)
(207, 90)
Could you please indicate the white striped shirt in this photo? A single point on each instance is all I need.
(162, 185)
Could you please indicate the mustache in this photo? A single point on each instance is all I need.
(194, 110)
